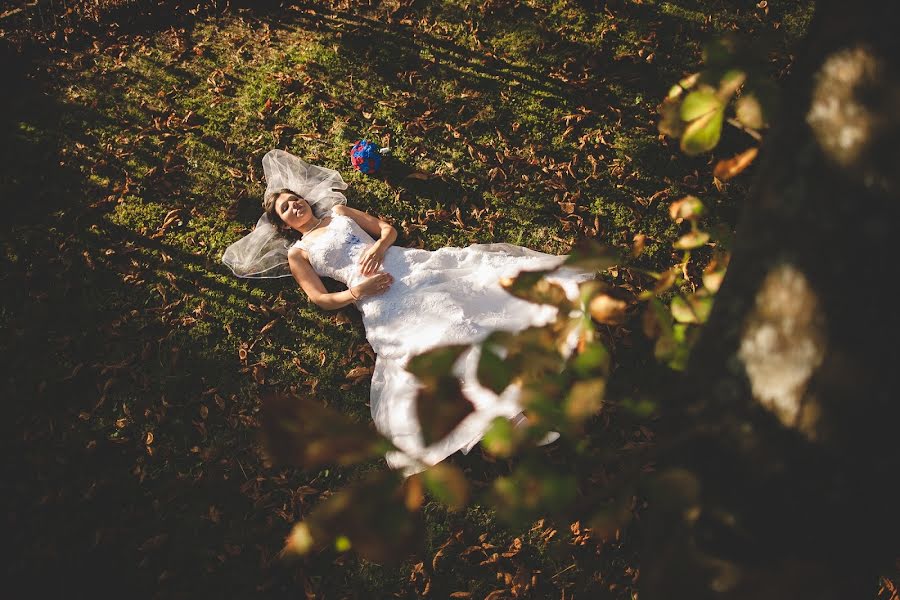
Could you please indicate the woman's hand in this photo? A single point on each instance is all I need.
(372, 286)
(371, 259)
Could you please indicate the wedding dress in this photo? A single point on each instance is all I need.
(446, 296)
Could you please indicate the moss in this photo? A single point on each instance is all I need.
(136, 214)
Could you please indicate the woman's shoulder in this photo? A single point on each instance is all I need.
(339, 210)
(297, 251)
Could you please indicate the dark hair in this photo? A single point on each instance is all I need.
(274, 217)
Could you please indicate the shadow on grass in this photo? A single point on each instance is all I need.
(137, 469)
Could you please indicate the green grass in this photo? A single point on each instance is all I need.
(114, 328)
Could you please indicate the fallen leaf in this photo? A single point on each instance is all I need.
(726, 169)
(357, 373)
(607, 309)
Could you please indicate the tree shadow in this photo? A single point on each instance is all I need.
(135, 444)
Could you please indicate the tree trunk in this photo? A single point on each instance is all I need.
(776, 479)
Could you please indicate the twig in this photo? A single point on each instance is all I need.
(572, 566)
(751, 132)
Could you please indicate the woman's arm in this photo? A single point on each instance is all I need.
(382, 231)
(312, 284)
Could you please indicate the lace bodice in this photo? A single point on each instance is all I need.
(334, 252)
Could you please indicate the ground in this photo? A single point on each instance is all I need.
(135, 360)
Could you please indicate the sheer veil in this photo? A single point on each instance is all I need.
(262, 253)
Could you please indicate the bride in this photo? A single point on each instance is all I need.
(411, 300)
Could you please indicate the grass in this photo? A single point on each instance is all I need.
(132, 414)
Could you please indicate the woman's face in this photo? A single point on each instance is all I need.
(293, 210)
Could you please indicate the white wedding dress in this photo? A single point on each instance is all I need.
(448, 296)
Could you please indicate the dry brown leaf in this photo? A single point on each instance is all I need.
(608, 310)
(259, 374)
(359, 372)
(726, 169)
(435, 562)
(514, 548)
(637, 248)
(521, 583)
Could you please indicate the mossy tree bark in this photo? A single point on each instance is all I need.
(776, 474)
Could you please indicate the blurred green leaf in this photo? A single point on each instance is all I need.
(342, 543)
(699, 103)
(440, 407)
(714, 272)
(702, 134)
(534, 287)
(500, 439)
(615, 515)
(532, 352)
(721, 52)
(758, 104)
(640, 408)
(749, 112)
(675, 490)
(665, 348)
(685, 84)
(436, 362)
(713, 279)
(730, 82)
(689, 207)
(670, 122)
(543, 403)
(602, 302)
(691, 309)
(533, 489)
(670, 347)
(691, 240)
(593, 360)
(585, 398)
(674, 349)
(447, 484)
(302, 432)
(590, 255)
(666, 280)
(607, 309)
(657, 320)
(369, 515)
(493, 372)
